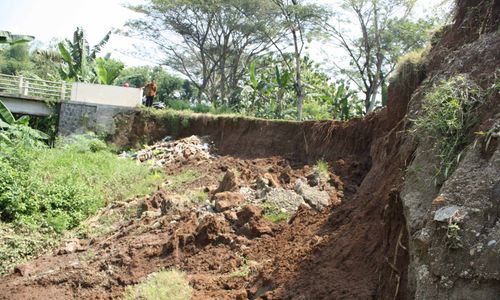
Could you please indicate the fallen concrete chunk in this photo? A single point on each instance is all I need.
(314, 197)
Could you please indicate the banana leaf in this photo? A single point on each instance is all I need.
(5, 114)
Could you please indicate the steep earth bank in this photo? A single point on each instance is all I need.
(382, 241)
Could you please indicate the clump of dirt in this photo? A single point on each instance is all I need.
(253, 219)
(213, 242)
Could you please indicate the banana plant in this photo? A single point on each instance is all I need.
(12, 129)
(108, 69)
(8, 38)
(79, 58)
(283, 80)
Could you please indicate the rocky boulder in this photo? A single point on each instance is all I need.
(315, 198)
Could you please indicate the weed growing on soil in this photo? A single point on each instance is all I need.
(321, 167)
(171, 284)
(448, 112)
(197, 196)
(19, 243)
(50, 190)
(273, 213)
(453, 236)
(245, 269)
(178, 180)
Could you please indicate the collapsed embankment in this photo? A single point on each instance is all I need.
(381, 242)
(390, 228)
(364, 249)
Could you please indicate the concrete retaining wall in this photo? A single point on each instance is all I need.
(106, 94)
(80, 117)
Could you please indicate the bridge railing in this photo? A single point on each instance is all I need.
(35, 88)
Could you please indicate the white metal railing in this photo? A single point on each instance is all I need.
(35, 88)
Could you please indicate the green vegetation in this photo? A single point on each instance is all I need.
(171, 285)
(448, 112)
(409, 65)
(245, 269)
(197, 196)
(45, 191)
(454, 240)
(62, 186)
(273, 213)
(178, 180)
(321, 167)
(20, 242)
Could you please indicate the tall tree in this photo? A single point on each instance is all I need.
(208, 41)
(385, 32)
(301, 21)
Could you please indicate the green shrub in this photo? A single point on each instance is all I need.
(178, 104)
(60, 187)
(171, 285)
(448, 112)
(201, 108)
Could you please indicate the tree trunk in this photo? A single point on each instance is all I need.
(299, 89)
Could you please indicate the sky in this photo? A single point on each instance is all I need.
(57, 19)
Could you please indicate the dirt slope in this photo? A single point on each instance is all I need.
(381, 242)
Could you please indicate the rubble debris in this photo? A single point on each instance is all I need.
(314, 197)
(166, 151)
(251, 224)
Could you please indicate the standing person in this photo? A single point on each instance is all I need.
(125, 84)
(150, 92)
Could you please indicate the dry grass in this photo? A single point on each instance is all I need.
(163, 285)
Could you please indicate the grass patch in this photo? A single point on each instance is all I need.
(448, 112)
(273, 213)
(197, 196)
(409, 67)
(19, 243)
(47, 191)
(245, 269)
(321, 167)
(171, 285)
(178, 180)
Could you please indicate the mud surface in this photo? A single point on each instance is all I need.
(334, 252)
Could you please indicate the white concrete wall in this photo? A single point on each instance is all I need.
(106, 94)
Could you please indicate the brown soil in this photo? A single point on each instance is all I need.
(355, 250)
(342, 252)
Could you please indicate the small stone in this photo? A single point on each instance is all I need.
(438, 201)
(491, 243)
(445, 213)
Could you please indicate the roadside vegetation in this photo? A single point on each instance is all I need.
(46, 191)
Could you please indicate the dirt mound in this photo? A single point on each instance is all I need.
(368, 232)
